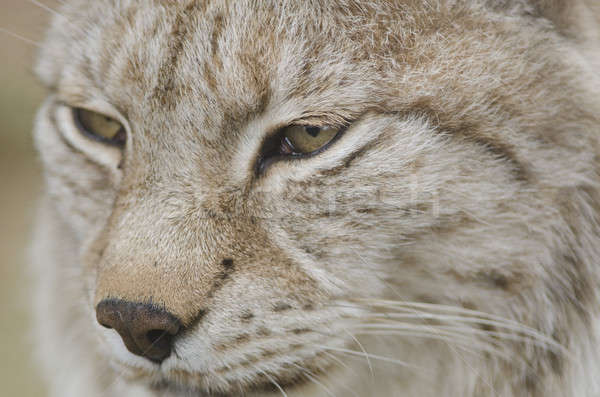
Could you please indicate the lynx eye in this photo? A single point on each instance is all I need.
(100, 127)
(296, 141)
(304, 139)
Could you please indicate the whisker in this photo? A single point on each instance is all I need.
(526, 333)
(373, 356)
(364, 351)
(473, 331)
(464, 343)
(463, 319)
(438, 307)
(313, 378)
(449, 345)
(424, 305)
(45, 7)
(474, 317)
(22, 38)
(272, 380)
(428, 331)
(340, 362)
(345, 386)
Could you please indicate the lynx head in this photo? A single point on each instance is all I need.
(251, 196)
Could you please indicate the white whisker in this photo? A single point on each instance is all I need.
(472, 317)
(313, 378)
(373, 356)
(438, 307)
(337, 360)
(464, 343)
(463, 330)
(364, 351)
(464, 319)
(18, 36)
(45, 7)
(272, 380)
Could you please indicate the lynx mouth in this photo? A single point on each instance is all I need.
(263, 385)
(180, 382)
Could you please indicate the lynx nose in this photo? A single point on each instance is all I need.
(146, 330)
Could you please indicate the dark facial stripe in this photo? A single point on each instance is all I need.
(228, 268)
(214, 63)
(352, 158)
(113, 45)
(470, 132)
(463, 130)
(166, 92)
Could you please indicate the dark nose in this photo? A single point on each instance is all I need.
(147, 330)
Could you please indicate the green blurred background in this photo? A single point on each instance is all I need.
(20, 173)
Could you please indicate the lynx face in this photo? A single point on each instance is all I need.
(240, 193)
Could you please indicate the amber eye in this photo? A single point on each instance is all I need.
(303, 139)
(100, 127)
(296, 141)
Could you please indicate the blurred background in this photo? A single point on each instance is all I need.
(20, 178)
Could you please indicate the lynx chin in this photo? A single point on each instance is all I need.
(384, 198)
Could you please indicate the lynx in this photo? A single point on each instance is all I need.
(320, 198)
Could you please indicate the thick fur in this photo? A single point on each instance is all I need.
(446, 245)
